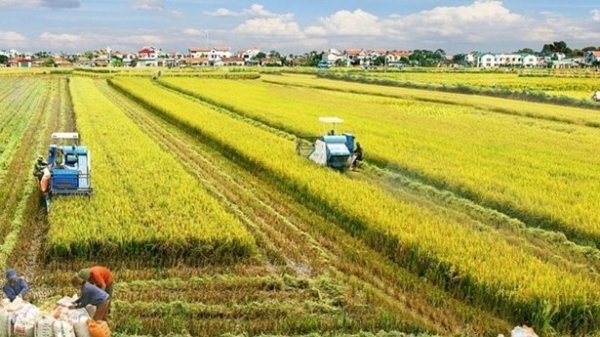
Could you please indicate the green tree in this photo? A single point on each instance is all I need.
(116, 62)
(312, 59)
(3, 59)
(525, 51)
(42, 54)
(556, 47)
(261, 55)
(49, 62)
(459, 58)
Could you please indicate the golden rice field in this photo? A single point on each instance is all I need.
(578, 84)
(520, 166)
(471, 214)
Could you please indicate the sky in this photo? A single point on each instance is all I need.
(300, 26)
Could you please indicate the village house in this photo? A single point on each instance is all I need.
(591, 56)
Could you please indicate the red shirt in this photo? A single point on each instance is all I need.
(101, 277)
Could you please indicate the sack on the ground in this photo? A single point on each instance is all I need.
(63, 328)
(98, 328)
(5, 322)
(91, 310)
(523, 331)
(44, 327)
(24, 327)
(24, 320)
(80, 325)
(65, 302)
(75, 314)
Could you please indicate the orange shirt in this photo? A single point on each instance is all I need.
(101, 277)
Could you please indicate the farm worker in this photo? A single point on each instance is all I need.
(91, 295)
(14, 286)
(100, 277)
(59, 159)
(38, 167)
(356, 156)
(45, 181)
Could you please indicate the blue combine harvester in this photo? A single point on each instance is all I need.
(70, 167)
(331, 150)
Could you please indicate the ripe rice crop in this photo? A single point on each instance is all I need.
(479, 266)
(544, 172)
(145, 205)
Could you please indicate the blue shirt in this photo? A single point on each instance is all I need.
(91, 294)
(12, 291)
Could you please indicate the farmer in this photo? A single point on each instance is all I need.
(59, 160)
(101, 277)
(98, 276)
(38, 167)
(356, 156)
(45, 180)
(91, 295)
(14, 286)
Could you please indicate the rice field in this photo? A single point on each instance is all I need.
(471, 214)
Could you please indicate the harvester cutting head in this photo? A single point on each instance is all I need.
(70, 166)
(331, 149)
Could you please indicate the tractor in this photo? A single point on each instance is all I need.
(331, 149)
(69, 168)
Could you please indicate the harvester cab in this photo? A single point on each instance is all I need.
(331, 149)
(70, 166)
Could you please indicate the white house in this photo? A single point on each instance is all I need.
(394, 57)
(249, 53)
(487, 60)
(530, 61)
(147, 57)
(493, 60)
(219, 52)
(198, 52)
(355, 56)
(214, 55)
(332, 56)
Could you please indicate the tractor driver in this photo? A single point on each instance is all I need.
(59, 160)
(38, 168)
(356, 156)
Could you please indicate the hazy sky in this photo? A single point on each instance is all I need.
(296, 26)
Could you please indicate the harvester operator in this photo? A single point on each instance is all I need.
(357, 156)
(59, 160)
